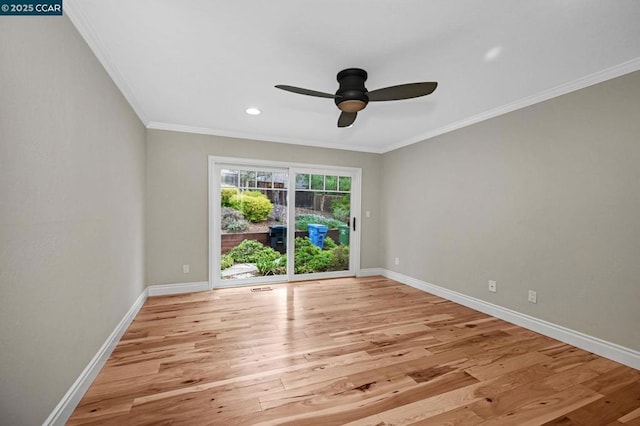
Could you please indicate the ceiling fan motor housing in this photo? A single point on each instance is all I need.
(352, 95)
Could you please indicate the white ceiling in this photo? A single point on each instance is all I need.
(196, 65)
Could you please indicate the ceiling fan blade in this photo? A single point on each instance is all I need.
(403, 91)
(307, 92)
(347, 118)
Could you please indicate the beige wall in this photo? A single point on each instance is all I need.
(544, 198)
(71, 212)
(177, 194)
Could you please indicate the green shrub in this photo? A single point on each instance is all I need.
(232, 220)
(341, 213)
(310, 258)
(303, 220)
(329, 244)
(341, 208)
(267, 266)
(240, 226)
(226, 262)
(340, 258)
(254, 205)
(251, 251)
(225, 196)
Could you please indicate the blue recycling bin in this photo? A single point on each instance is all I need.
(317, 234)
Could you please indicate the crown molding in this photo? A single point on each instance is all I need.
(581, 83)
(258, 137)
(90, 36)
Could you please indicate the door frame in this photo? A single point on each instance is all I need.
(214, 208)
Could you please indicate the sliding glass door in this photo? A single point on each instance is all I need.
(323, 223)
(273, 222)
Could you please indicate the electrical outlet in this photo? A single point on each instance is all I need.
(533, 296)
(493, 286)
(186, 269)
(397, 261)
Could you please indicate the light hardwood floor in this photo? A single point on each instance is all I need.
(365, 351)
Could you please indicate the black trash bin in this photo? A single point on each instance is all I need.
(278, 237)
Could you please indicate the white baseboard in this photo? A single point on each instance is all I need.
(370, 272)
(592, 344)
(71, 399)
(167, 289)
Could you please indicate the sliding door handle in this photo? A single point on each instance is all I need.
(354, 223)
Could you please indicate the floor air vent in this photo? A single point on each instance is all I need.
(261, 289)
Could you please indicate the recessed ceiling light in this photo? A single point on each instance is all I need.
(493, 53)
(252, 111)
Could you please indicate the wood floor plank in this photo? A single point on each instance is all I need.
(349, 366)
(458, 417)
(512, 381)
(614, 379)
(331, 393)
(633, 415)
(359, 351)
(429, 407)
(610, 407)
(500, 367)
(545, 408)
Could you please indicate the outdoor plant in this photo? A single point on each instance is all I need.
(267, 266)
(226, 261)
(341, 208)
(329, 244)
(233, 220)
(252, 251)
(340, 259)
(254, 205)
(225, 196)
(303, 220)
(310, 258)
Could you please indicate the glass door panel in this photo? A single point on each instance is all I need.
(253, 224)
(322, 223)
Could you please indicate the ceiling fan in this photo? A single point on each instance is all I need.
(352, 96)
